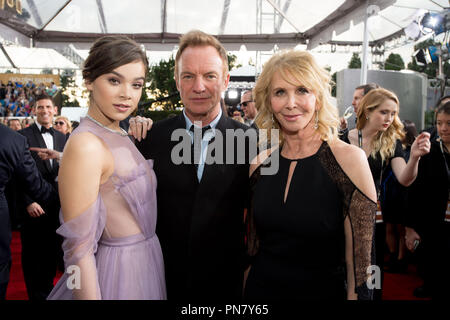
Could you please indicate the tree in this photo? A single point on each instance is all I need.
(430, 69)
(333, 84)
(232, 62)
(162, 84)
(333, 81)
(355, 61)
(394, 62)
(46, 71)
(67, 81)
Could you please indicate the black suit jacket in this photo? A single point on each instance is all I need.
(16, 162)
(200, 225)
(427, 196)
(49, 172)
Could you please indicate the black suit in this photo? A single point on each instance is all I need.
(200, 225)
(41, 246)
(427, 204)
(16, 162)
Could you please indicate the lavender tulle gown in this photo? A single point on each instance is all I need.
(113, 242)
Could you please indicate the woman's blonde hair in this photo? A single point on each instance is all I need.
(384, 142)
(303, 68)
(67, 121)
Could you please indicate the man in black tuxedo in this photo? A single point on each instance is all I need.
(41, 246)
(200, 206)
(16, 162)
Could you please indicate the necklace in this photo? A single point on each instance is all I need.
(123, 133)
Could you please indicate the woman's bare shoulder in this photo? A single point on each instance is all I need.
(354, 163)
(84, 143)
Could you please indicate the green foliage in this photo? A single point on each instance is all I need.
(429, 69)
(333, 81)
(67, 80)
(355, 61)
(162, 84)
(159, 115)
(232, 62)
(46, 71)
(394, 62)
(429, 118)
(75, 103)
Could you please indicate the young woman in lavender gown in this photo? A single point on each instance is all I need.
(107, 189)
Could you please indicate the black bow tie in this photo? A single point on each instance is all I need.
(49, 130)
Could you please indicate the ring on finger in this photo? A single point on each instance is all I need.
(140, 120)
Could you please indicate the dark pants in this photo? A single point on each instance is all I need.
(434, 260)
(4, 278)
(41, 255)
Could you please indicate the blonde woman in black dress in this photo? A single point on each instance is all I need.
(311, 223)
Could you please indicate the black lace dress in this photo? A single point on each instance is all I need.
(297, 247)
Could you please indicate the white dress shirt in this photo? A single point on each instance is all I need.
(48, 139)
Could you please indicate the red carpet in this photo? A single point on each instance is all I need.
(16, 287)
(396, 286)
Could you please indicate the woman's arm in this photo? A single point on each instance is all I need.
(360, 220)
(85, 165)
(406, 173)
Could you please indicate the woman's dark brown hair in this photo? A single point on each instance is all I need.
(110, 52)
(410, 132)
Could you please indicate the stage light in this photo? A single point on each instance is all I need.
(428, 22)
(233, 97)
(232, 94)
(434, 22)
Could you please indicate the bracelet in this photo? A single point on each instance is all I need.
(60, 157)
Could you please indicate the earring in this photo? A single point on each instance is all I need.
(367, 117)
(316, 121)
(272, 119)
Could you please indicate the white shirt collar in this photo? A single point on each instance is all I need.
(213, 123)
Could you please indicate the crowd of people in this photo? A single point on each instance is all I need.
(61, 123)
(17, 98)
(146, 214)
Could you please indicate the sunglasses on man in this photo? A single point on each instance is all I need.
(245, 103)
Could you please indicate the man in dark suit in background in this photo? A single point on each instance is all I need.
(16, 162)
(200, 206)
(41, 246)
(248, 105)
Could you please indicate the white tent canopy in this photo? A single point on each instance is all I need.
(35, 58)
(70, 26)
(235, 22)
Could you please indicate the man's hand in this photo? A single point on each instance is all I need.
(46, 154)
(411, 236)
(139, 127)
(35, 210)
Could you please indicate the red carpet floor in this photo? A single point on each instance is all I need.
(396, 286)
